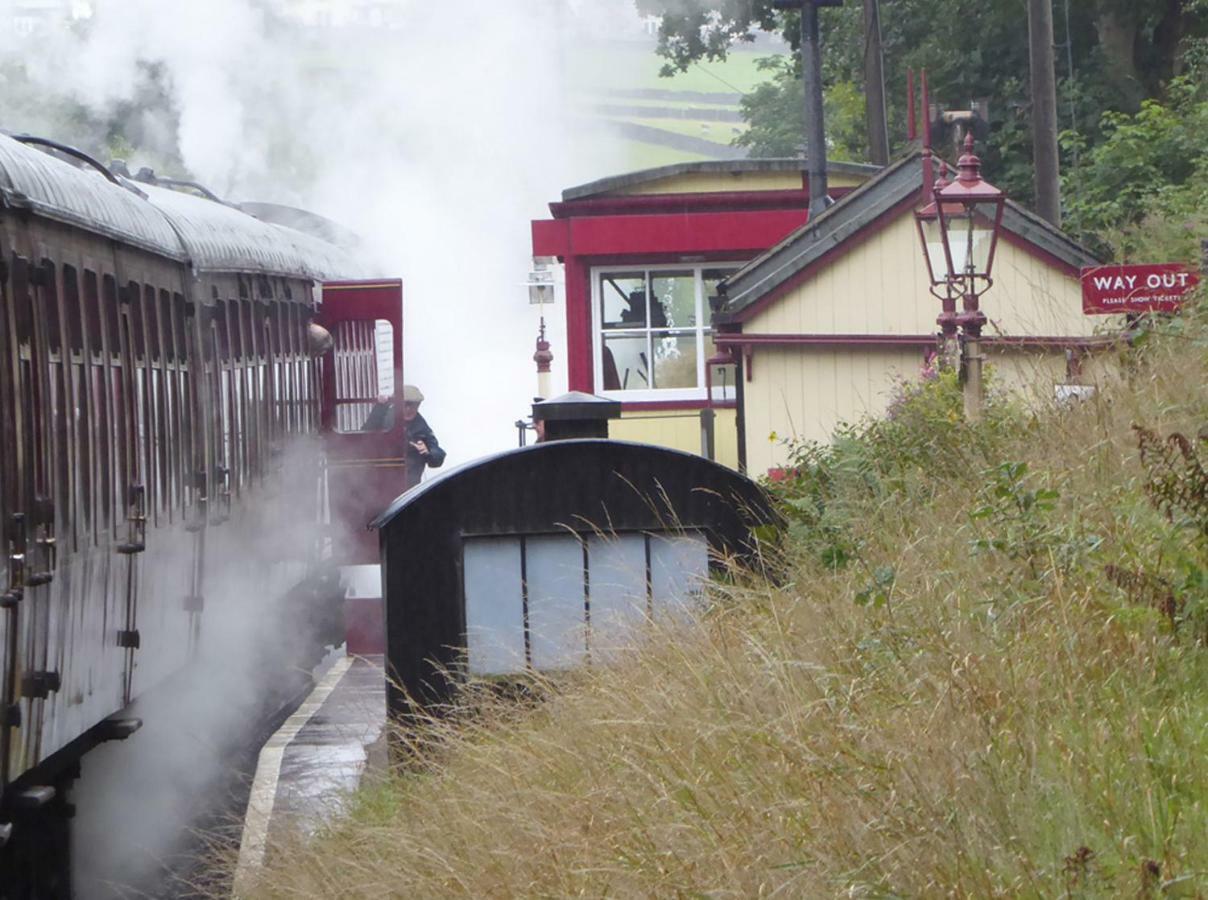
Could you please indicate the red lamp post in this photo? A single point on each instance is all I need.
(969, 215)
(927, 220)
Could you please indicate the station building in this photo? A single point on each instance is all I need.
(704, 286)
(643, 253)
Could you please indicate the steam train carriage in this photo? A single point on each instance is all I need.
(157, 392)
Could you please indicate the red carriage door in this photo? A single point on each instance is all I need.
(361, 422)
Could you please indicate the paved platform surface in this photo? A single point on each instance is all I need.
(309, 767)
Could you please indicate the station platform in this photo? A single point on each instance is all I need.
(311, 765)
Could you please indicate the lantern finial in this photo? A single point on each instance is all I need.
(942, 182)
(969, 164)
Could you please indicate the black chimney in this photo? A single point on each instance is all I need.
(576, 415)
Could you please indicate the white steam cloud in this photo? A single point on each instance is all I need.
(436, 137)
(437, 140)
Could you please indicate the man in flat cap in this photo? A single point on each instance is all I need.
(422, 447)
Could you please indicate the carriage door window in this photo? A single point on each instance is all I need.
(553, 602)
(364, 375)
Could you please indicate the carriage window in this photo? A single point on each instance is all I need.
(297, 330)
(247, 329)
(363, 364)
(232, 343)
(92, 312)
(288, 324)
(49, 297)
(165, 325)
(223, 332)
(152, 323)
(22, 303)
(110, 311)
(138, 344)
(178, 321)
(75, 314)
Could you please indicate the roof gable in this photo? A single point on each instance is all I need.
(815, 242)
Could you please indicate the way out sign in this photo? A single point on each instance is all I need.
(1160, 287)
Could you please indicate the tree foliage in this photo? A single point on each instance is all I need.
(775, 109)
(1142, 190)
(1120, 53)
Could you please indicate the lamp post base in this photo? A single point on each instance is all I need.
(950, 353)
(973, 380)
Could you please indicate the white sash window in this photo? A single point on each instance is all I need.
(654, 332)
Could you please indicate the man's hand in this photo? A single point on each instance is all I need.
(421, 447)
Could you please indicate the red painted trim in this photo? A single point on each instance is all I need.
(669, 405)
(836, 253)
(664, 259)
(682, 234)
(714, 201)
(550, 238)
(1029, 341)
(578, 326)
(824, 340)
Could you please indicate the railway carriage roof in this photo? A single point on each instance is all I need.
(221, 238)
(56, 190)
(209, 236)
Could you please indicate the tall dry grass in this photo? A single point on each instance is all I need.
(967, 707)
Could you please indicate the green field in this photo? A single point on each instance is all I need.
(678, 100)
(718, 132)
(602, 74)
(628, 67)
(641, 155)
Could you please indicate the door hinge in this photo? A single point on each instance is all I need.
(39, 685)
(129, 639)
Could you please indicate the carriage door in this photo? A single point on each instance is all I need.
(361, 422)
(12, 531)
(28, 528)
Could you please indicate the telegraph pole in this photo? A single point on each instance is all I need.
(811, 76)
(874, 86)
(1044, 110)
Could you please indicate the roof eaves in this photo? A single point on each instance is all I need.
(1044, 234)
(724, 166)
(836, 224)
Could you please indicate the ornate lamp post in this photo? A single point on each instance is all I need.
(969, 214)
(927, 220)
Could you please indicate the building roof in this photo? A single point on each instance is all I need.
(889, 189)
(712, 167)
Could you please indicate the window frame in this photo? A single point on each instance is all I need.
(699, 331)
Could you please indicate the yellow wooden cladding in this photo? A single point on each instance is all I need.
(680, 430)
(722, 182)
(716, 182)
(880, 287)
